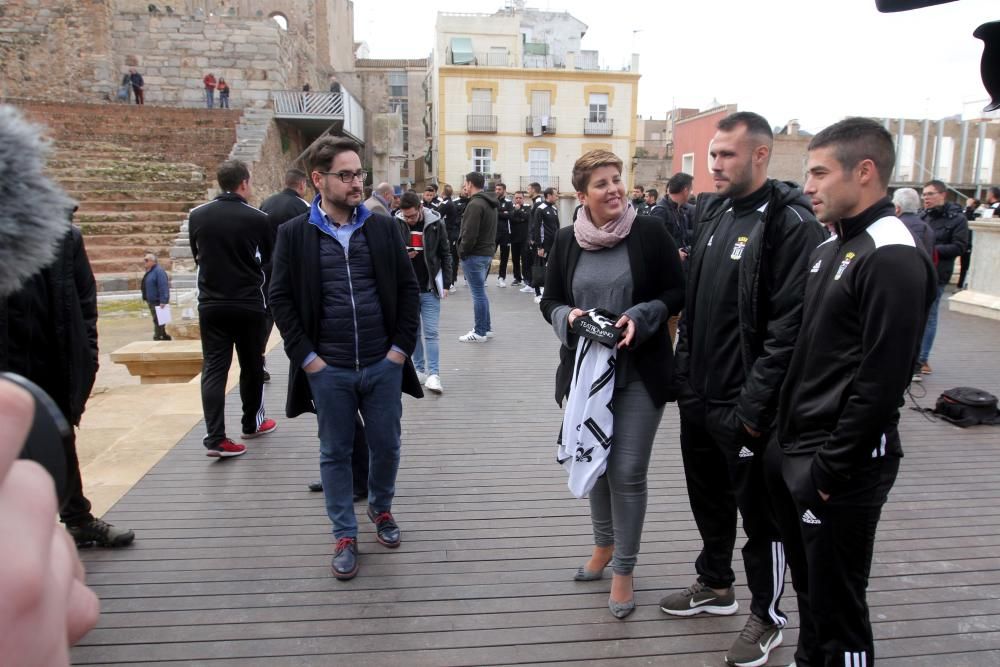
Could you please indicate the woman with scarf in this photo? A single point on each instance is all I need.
(623, 263)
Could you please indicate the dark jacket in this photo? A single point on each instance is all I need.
(230, 240)
(771, 282)
(504, 209)
(296, 298)
(136, 80)
(280, 208)
(436, 254)
(677, 219)
(951, 236)
(867, 297)
(479, 226)
(543, 233)
(519, 224)
(922, 233)
(71, 324)
(156, 286)
(451, 218)
(656, 274)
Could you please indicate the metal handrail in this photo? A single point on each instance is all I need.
(548, 124)
(602, 127)
(481, 123)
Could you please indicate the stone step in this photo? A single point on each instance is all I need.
(70, 160)
(113, 281)
(162, 240)
(129, 206)
(145, 173)
(124, 265)
(72, 184)
(137, 194)
(118, 228)
(125, 253)
(138, 215)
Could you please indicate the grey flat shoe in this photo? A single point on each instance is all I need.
(583, 574)
(621, 609)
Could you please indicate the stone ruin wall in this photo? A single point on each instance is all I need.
(78, 51)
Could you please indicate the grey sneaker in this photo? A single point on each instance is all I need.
(754, 644)
(698, 598)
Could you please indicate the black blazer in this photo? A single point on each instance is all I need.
(296, 299)
(656, 274)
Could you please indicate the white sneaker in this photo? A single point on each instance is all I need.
(528, 288)
(542, 290)
(538, 299)
(490, 334)
(422, 377)
(501, 282)
(434, 384)
(472, 337)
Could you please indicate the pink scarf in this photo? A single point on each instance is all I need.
(592, 237)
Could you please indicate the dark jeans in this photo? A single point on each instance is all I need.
(159, 330)
(724, 468)
(339, 394)
(140, 96)
(963, 274)
(453, 278)
(222, 328)
(528, 256)
(76, 509)
(829, 546)
(516, 255)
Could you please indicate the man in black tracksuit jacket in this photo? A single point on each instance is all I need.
(504, 208)
(230, 241)
(543, 228)
(519, 215)
(837, 448)
(739, 324)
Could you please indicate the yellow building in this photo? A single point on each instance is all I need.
(518, 99)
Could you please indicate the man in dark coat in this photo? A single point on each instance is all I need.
(346, 300)
(155, 288)
(49, 335)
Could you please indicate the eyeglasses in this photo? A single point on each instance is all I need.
(347, 176)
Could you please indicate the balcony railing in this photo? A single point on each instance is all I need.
(320, 106)
(602, 127)
(480, 58)
(482, 123)
(539, 125)
(550, 182)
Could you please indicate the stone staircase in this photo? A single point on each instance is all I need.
(136, 172)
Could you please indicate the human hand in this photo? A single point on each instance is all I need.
(315, 366)
(822, 494)
(541, 252)
(396, 357)
(46, 606)
(411, 254)
(626, 321)
(444, 294)
(753, 433)
(573, 314)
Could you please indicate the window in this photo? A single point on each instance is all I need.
(598, 108)
(985, 162)
(905, 156)
(945, 153)
(541, 103)
(398, 101)
(482, 160)
(687, 163)
(280, 19)
(482, 102)
(397, 84)
(538, 165)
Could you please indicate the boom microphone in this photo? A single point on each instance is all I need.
(34, 211)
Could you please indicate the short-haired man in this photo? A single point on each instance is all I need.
(431, 199)
(210, 83)
(837, 449)
(427, 245)
(280, 208)
(739, 325)
(677, 213)
(504, 208)
(453, 223)
(155, 289)
(381, 200)
(639, 200)
(530, 252)
(519, 214)
(907, 204)
(230, 240)
(345, 299)
(652, 195)
(543, 236)
(476, 245)
(951, 238)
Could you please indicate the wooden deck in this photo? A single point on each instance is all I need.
(231, 561)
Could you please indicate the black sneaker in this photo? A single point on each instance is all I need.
(345, 559)
(699, 598)
(386, 530)
(267, 376)
(100, 533)
(754, 644)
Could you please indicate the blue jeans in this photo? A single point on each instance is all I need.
(430, 315)
(210, 97)
(474, 267)
(339, 393)
(930, 329)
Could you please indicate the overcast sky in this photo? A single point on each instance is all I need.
(815, 60)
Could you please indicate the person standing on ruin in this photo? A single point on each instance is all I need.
(210, 85)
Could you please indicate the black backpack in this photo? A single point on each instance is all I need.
(967, 406)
